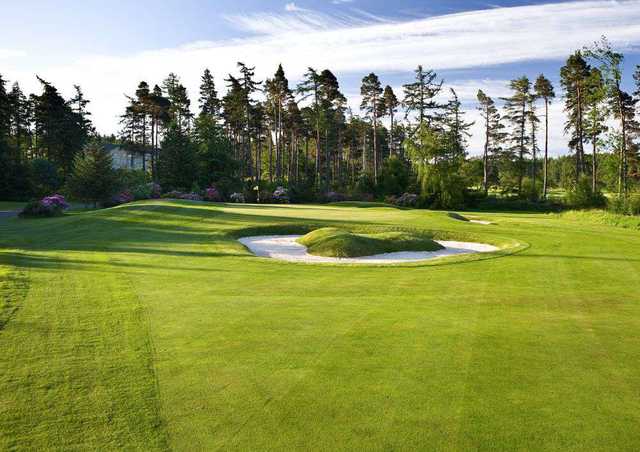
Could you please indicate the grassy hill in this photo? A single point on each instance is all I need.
(149, 326)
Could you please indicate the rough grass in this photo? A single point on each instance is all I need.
(334, 242)
(598, 216)
(149, 327)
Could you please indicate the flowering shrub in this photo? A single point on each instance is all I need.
(146, 191)
(237, 197)
(175, 194)
(212, 194)
(406, 200)
(191, 196)
(55, 202)
(125, 197)
(49, 206)
(281, 196)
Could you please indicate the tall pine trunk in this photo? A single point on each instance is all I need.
(546, 149)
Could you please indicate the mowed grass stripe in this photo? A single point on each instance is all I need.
(77, 365)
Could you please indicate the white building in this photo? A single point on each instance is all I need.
(124, 158)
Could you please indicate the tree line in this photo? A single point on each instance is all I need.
(266, 133)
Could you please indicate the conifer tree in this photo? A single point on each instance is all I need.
(419, 97)
(20, 120)
(622, 104)
(93, 179)
(209, 102)
(516, 114)
(494, 135)
(533, 125)
(391, 105)
(371, 92)
(574, 77)
(310, 87)
(456, 128)
(544, 90)
(595, 118)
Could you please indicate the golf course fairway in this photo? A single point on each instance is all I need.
(150, 327)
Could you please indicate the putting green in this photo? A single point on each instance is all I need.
(149, 326)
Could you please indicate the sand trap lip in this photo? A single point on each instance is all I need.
(285, 248)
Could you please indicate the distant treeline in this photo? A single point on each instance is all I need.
(266, 133)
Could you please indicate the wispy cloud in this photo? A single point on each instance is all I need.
(301, 21)
(353, 44)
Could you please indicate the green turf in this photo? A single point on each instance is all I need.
(335, 242)
(11, 206)
(149, 327)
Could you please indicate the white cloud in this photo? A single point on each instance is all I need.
(9, 53)
(291, 7)
(359, 45)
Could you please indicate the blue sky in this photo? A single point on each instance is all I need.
(108, 47)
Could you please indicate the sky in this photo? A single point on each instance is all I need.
(108, 47)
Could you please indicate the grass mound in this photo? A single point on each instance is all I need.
(334, 242)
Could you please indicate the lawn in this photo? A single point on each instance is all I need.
(149, 326)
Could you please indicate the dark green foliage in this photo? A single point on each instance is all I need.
(43, 177)
(394, 178)
(93, 179)
(177, 164)
(61, 131)
(216, 164)
(582, 195)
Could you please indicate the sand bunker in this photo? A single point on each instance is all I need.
(285, 247)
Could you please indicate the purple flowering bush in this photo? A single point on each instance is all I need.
(212, 194)
(49, 206)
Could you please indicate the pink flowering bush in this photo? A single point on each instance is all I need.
(49, 206)
(212, 194)
(175, 194)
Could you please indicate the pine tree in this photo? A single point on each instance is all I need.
(60, 132)
(249, 86)
(533, 125)
(332, 103)
(622, 104)
(494, 135)
(209, 102)
(78, 104)
(574, 77)
(93, 179)
(278, 94)
(177, 162)
(371, 92)
(310, 87)
(596, 115)
(516, 114)
(456, 128)
(391, 105)
(544, 90)
(419, 97)
(20, 120)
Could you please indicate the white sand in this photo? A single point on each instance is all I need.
(285, 247)
(480, 222)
